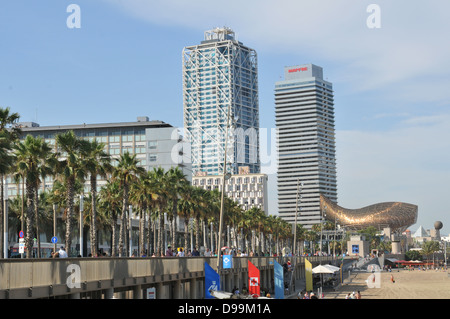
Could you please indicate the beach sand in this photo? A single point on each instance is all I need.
(415, 284)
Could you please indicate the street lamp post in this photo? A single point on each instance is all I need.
(335, 241)
(81, 223)
(130, 229)
(321, 229)
(295, 232)
(219, 240)
(54, 226)
(5, 219)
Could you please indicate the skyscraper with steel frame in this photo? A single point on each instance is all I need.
(220, 86)
(304, 112)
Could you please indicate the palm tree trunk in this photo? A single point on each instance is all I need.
(142, 232)
(197, 233)
(155, 238)
(160, 251)
(186, 235)
(174, 231)
(93, 228)
(36, 212)
(30, 221)
(70, 212)
(149, 234)
(114, 238)
(123, 224)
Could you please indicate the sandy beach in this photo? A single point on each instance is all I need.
(415, 284)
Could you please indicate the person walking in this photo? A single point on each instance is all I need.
(169, 252)
(62, 253)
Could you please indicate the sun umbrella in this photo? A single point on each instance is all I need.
(333, 268)
(321, 269)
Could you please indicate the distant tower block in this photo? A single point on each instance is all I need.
(437, 227)
(395, 242)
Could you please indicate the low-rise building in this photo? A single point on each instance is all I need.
(248, 190)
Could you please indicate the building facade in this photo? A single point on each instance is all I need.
(155, 143)
(220, 91)
(304, 110)
(247, 190)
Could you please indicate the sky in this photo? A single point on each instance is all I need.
(391, 82)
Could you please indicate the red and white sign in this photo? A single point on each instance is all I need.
(253, 279)
(298, 70)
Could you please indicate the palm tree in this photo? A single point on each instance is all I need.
(110, 204)
(177, 180)
(186, 208)
(232, 215)
(32, 154)
(70, 169)
(159, 185)
(8, 134)
(97, 162)
(126, 172)
(429, 248)
(143, 199)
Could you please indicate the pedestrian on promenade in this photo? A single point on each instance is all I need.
(62, 253)
(392, 279)
(180, 253)
(169, 252)
(195, 252)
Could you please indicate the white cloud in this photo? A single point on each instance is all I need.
(409, 46)
(409, 163)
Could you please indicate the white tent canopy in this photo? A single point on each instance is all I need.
(322, 269)
(334, 268)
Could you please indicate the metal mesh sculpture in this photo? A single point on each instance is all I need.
(396, 215)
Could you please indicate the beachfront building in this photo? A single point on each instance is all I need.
(247, 190)
(220, 95)
(155, 143)
(304, 110)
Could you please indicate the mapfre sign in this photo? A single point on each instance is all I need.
(298, 70)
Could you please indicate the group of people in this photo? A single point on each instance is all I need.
(244, 291)
(180, 253)
(353, 295)
(308, 295)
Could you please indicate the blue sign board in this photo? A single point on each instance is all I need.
(278, 280)
(227, 261)
(212, 281)
(54, 239)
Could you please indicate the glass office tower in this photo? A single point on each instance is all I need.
(304, 110)
(220, 86)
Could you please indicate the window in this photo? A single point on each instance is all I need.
(152, 145)
(153, 158)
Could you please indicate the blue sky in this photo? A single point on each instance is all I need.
(391, 84)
